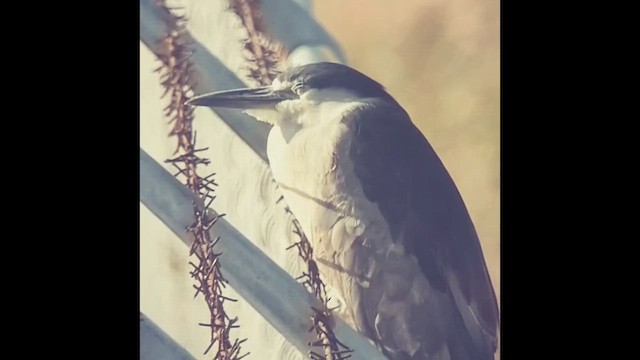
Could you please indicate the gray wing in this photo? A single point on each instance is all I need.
(402, 174)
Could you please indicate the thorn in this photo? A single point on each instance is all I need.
(317, 343)
(227, 298)
(198, 291)
(243, 356)
(209, 347)
(210, 201)
(214, 242)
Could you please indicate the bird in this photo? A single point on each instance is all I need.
(391, 234)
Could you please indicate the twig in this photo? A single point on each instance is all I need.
(176, 78)
(332, 348)
(264, 54)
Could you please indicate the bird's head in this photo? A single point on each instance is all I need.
(319, 90)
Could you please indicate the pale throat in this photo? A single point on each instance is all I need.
(313, 108)
(305, 154)
(302, 142)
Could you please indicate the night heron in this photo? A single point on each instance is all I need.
(394, 241)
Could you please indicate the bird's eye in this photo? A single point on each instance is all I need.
(299, 88)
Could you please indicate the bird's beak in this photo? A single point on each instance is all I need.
(256, 98)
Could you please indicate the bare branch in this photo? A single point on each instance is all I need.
(176, 78)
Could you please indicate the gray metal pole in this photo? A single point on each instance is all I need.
(155, 344)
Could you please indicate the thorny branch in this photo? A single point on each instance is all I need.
(321, 320)
(264, 55)
(175, 77)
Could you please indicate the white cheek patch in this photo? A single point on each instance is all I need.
(314, 107)
(270, 116)
(278, 85)
(291, 108)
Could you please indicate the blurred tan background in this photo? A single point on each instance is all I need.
(441, 61)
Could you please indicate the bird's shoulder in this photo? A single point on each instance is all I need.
(402, 174)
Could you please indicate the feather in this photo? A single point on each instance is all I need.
(400, 172)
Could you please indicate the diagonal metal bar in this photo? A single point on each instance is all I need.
(282, 301)
(155, 344)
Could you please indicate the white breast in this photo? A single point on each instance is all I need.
(312, 168)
